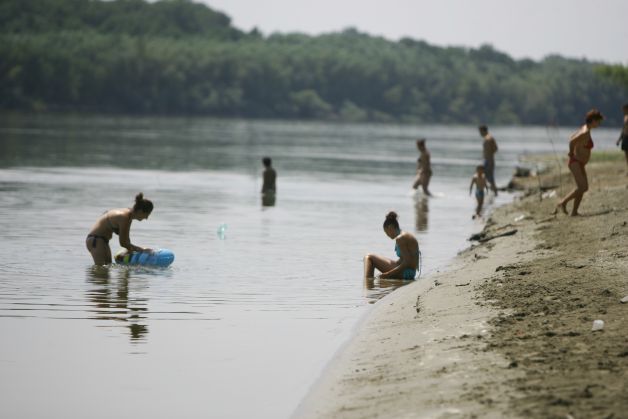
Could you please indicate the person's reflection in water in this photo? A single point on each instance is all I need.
(421, 207)
(111, 300)
(377, 288)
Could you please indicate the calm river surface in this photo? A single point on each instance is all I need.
(238, 327)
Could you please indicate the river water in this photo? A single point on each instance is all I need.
(239, 326)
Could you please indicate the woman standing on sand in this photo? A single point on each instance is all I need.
(406, 247)
(580, 146)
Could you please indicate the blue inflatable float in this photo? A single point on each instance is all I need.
(158, 257)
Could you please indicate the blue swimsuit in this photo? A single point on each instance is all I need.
(408, 273)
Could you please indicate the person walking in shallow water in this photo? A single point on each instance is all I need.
(479, 180)
(406, 247)
(489, 148)
(423, 169)
(623, 137)
(580, 145)
(116, 221)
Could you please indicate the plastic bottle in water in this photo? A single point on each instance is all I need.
(222, 228)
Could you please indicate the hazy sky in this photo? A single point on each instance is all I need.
(521, 28)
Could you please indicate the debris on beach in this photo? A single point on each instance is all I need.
(549, 194)
(597, 325)
(483, 237)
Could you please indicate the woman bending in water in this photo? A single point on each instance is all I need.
(116, 221)
(580, 146)
(406, 247)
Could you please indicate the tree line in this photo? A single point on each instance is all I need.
(180, 57)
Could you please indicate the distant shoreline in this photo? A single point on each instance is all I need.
(179, 57)
(4, 113)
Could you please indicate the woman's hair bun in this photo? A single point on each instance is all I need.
(392, 215)
(142, 204)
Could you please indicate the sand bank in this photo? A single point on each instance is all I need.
(506, 330)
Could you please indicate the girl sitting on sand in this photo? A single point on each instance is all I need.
(406, 247)
(580, 146)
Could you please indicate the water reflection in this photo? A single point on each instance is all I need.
(377, 288)
(110, 297)
(421, 209)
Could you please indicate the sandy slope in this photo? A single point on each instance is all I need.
(505, 332)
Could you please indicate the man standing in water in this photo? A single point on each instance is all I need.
(423, 168)
(489, 147)
(269, 187)
(623, 137)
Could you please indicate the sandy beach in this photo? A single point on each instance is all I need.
(505, 331)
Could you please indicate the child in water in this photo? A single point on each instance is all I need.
(480, 186)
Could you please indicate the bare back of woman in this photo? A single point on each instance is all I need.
(580, 146)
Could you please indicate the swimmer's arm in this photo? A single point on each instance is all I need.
(471, 185)
(125, 241)
(397, 271)
(573, 143)
(393, 273)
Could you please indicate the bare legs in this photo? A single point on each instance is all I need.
(423, 180)
(101, 253)
(372, 262)
(478, 209)
(489, 173)
(582, 185)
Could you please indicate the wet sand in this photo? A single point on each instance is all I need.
(506, 330)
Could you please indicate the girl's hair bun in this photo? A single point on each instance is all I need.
(142, 204)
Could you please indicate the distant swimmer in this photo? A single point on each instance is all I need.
(116, 221)
(269, 185)
(479, 180)
(423, 168)
(489, 148)
(407, 249)
(580, 145)
(623, 137)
